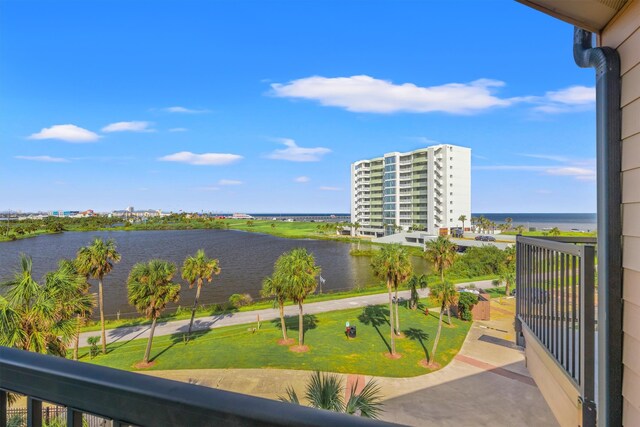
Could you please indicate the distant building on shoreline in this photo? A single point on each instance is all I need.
(427, 189)
(130, 213)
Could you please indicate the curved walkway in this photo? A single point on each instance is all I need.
(487, 383)
(244, 317)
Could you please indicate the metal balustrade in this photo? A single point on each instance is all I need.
(130, 399)
(555, 302)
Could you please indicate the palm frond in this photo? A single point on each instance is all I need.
(367, 403)
(324, 391)
(291, 397)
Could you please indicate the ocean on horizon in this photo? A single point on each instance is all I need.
(564, 221)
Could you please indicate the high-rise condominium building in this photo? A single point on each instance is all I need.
(427, 189)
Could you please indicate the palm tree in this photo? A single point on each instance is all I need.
(520, 229)
(462, 219)
(82, 302)
(41, 318)
(356, 226)
(296, 270)
(441, 252)
(391, 264)
(415, 283)
(195, 270)
(150, 289)
(508, 271)
(277, 290)
(96, 261)
(444, 294)
(508, 222)
(324, 391)
(555, 231)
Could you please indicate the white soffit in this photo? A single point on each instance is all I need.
(592, 15)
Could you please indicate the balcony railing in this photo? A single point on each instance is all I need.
(555, 305)
(125, 398)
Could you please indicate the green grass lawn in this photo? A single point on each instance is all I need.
(215, 309)
(540, 233)
(330, 350)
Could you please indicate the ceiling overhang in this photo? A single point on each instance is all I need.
(592, 15)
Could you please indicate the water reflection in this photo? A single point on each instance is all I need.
(245, 259)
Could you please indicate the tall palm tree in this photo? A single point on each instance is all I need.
(444, 294)
(96, 261)
(462, 219)
(150, 289)
(41, 318)
(555, 231)
(81, 301)
(391, 264)
(441, 252)
(520, 229)
(415, 283)
(277, 290)
(296, 270)
(508, 222)
(508, 271)
(324, 391)
(195, 270)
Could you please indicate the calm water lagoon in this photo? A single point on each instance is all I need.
(245, 259)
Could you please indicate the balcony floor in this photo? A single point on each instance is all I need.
(487, 384)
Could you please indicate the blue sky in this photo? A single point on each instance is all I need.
(261, 106)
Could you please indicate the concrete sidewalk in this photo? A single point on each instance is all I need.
(247, 317)
(487, 383)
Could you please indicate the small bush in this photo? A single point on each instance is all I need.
(466, 301)
(240, 300)
(93, 342)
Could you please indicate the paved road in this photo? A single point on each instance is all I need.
(486, 385)
(229, 319)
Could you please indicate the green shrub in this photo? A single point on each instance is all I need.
(16, 421)
(466, 301)
(478, 261)
(93, 342)
(240, 300)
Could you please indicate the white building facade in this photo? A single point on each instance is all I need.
(427, 189)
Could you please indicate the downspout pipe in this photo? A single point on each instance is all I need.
(606, 62)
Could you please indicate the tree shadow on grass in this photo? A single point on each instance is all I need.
(179, 338)
(419, 335)
(376, 316)
(309, 321)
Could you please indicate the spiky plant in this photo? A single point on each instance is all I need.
(325, 391)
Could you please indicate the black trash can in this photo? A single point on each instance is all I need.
(352, 332)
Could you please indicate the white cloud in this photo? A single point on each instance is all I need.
(571, 99)
(302, 179)
(425, 140)
(69, 133)
(323, 188)
(366, 94)
(47, 159)
(209, 159)
(295, 153)
(229, 182)
(184, 110)
(128, 127)
(582, 174)
(178, 130)
(572, 169)
(547, 157)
